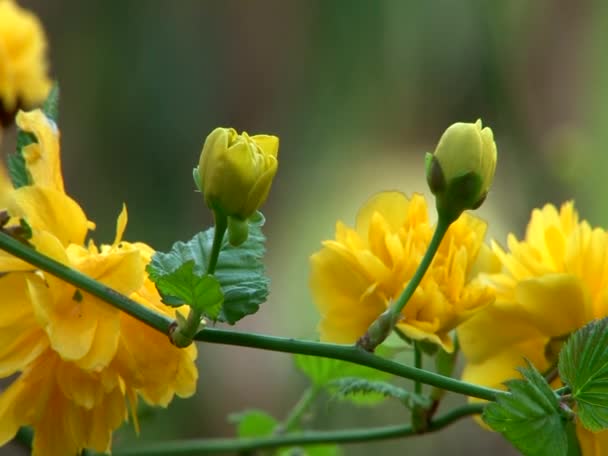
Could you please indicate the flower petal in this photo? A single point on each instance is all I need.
(47, 209)
(554, 303)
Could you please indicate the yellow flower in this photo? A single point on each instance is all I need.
(81, 363)
(552, 283)
(236, 171)
(23, 66)
(355, 278)
(461, 170)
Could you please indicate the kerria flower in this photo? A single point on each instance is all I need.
(23, 65)
(552, 283)
(355, 277)
(80, 363)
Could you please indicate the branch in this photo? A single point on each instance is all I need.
(160, 322)
(206, 446)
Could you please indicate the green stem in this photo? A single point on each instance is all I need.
(182, 334)
(82, 282)
(380, 329)
(206, 446)
(295, 416)
(418, 365)
(442, 227)
(221, 224)
(160, 322)
(350, 353)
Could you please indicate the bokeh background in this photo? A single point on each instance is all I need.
(357, 91)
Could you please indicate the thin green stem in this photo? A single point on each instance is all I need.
(221, 224)
(382, 326)
(418, 365)
(303, 404)
(442, 227)
(82, 282)
(206, 446)
(182, 334)
(349, 353)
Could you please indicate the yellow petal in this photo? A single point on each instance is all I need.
(340, 290)
(555, 303)
(495, 327)
(42, 158)
(121, 224)
(592, 443)
(494, 371)
(47, 209)
(70, 333)
(392, 206)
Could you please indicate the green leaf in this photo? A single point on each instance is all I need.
(253, 423)
(17, 170)
(239, 270)
(20, 177)
(376, 391)
(529, 417)
(322, 371)
(200, 291)
(583, 366)
(50, 107)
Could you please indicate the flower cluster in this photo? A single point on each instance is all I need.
(355, 277)
(23, 66)
(75, 356)
(552, 283)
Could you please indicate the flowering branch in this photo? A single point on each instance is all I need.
(351, 353)
(202, 446)
(384, 324)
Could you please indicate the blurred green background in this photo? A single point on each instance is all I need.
(357, 91)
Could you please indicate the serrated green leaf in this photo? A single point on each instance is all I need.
(239, 270)
(50, 107)
(20, 177)
(200, 291)
(375, 391)
(253, 423)
(583, 366)
(529, 417)
(17, 170)
(322, 371)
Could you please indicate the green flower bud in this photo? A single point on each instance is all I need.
(461, 170)
(236, 171)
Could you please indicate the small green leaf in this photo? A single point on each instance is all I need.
(17, 170)
(322, 371)
(239, 270)
(529, 417)
(202, 292)
(50, 107)
(253, 423)
(376, 391)
(20, 177)
(583, 366)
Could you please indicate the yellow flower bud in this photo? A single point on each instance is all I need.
(236, 171)
(461, 170)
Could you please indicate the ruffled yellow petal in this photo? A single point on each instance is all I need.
(592, 443)
(42, 157)
(47, 209)
(489, 331)
(340, 291)
(494, 371)
(21, 339)
(555, 303)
